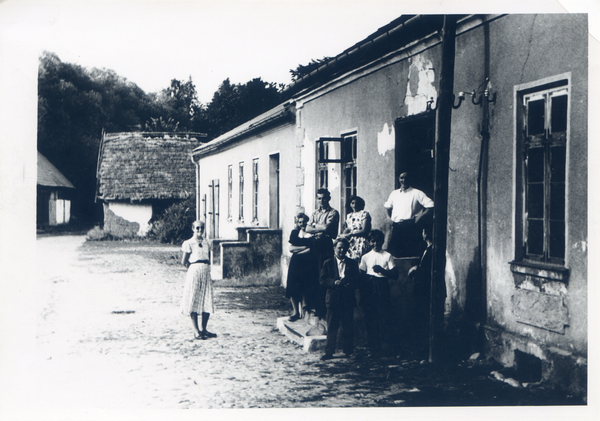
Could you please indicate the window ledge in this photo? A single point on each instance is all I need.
(541, 270)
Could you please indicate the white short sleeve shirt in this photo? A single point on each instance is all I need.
(406, 204)
(372, 258)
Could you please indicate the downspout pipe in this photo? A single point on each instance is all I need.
(482, 188)
(442, 164)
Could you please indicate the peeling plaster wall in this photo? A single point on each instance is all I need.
(139, 214)
(523, 48)
(386, 139)
(370, 105)
(420, 88)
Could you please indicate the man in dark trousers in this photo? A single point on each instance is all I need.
(339, 276)
(410, 210)
(421, 276)
(323, 225)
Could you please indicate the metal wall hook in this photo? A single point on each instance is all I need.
(486, 94)
(461, 98)
(429, 102)
(475, 98)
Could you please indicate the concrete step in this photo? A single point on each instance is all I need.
(297, 332)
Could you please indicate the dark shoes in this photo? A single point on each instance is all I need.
(208, 334)
(326, 357)
(205, 335)
(294, 318)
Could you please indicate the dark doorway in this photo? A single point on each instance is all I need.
(274, 191)
(214, 209)
(415, 137)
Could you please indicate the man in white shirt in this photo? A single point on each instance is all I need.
(407, 207)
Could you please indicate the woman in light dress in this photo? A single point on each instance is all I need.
(357, 228)
(197, 292)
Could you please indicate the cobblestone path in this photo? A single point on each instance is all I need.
(110, 336)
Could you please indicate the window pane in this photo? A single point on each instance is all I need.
(535, 200)
(559, 113)
(348, 149)
(558, 163)
(535, 117)
(557, 202)
(557, 239)
(535, 237)
(535, 165)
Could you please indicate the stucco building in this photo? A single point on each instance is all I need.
(516, 215)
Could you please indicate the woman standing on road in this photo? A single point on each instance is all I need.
(197, 293)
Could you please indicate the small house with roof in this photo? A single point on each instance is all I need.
(140, 174)
(53, 194)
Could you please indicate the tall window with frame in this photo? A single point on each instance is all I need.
(543, 115)
(229, 192)
(323, 167)
(255, 190)
(349, 167)
(241, 192)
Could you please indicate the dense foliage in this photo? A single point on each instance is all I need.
(305, 69)
(76, 104)
(234, 104)
(174, 225)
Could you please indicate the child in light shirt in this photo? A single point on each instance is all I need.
(377, 267)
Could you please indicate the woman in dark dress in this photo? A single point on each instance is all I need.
(303, 277)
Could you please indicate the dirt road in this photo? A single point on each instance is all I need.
(109, 336)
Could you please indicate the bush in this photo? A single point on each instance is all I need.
(174, 225)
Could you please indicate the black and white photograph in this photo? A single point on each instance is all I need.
(275, 209)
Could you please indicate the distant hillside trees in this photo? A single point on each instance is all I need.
(234, 104)
(75, 104)
(305, 69)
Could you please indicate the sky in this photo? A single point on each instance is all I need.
(152, 42)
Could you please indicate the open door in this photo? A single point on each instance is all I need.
(415, 137)
(213, 212)
(274, 191)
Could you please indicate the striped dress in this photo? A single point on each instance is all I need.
(197, 292)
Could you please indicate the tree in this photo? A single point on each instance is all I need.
(179, 102)
(74, 106)
(303, 70)
(234, 104)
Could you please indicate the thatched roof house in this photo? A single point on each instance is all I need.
(53, 194)
(141, 173)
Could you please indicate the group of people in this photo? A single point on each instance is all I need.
(326, 269)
